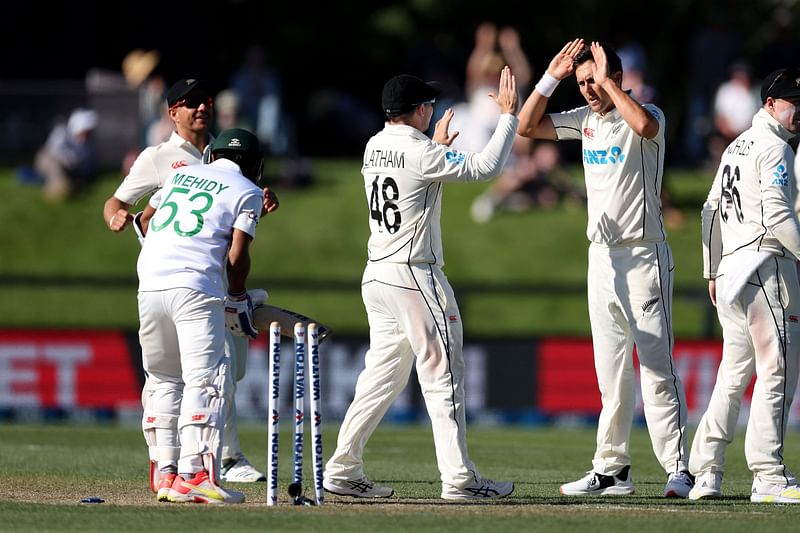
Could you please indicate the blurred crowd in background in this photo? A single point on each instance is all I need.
(123, 108)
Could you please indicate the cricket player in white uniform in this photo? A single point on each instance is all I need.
(630, 264)
(190, 108)
(410, 305)
(751, 242)
(205, 221)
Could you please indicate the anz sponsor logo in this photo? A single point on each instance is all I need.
(612, 156)
(454, 158)
(781, 176)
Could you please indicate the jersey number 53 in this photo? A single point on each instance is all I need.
(383, 203)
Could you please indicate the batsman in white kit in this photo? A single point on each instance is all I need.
(751, 242)
(191, 110)
(205, 219)
(410, 305)
(631, 267)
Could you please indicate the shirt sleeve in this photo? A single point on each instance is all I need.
(569, 124)
(247, 217)
(441, 163)
(140, 181)
(712, 239)
(778, 191)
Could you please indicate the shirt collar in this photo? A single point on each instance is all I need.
(765, 120)
(405, 130)
(180, 142)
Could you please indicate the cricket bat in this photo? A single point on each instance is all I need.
(264, 315)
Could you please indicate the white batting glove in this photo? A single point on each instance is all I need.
(239, 315)
(137, 227)
(258, 296)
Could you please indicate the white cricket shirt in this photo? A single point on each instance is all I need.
(751, 202)
(155, 164)
(623, 173)
(403, 174)
(189, 235)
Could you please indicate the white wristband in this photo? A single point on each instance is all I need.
(547, 84)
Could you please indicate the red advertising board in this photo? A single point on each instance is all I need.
(66, 369)
(566, 381)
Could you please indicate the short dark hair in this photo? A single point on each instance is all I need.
(614, 62)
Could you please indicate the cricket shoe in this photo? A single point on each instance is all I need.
(708, 485)
(239, 470)
(357, 488)
(594, 484)
(200, 489)
(164, 486)
(480, 489)
(764, 492)
(678, 484)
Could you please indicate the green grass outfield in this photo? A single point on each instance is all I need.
(46, 469)
(59, 262)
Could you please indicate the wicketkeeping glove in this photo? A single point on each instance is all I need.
(239, 315)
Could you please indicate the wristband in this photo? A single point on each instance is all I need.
(547, 84)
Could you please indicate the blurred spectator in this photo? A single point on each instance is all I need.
(259, 103)
(227, 112)
(68, 160)
(634, 70)
(712, 50)
(536, 180)
(258, 88)
(735, 103)
(155, 126)
(476, 118)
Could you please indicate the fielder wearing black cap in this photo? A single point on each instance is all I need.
(179, 93)
(241, 147)
(403, 93)
(783, 83)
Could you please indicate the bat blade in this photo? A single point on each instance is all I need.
(265, 314)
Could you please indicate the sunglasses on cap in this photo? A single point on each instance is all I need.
(193, 101)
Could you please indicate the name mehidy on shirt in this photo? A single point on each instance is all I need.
(198, 183)
(385, 158)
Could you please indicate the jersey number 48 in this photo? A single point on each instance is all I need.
(383, 203)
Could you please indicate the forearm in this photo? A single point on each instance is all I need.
(238, 262)
(636, 116)
(116, 214)
(490, 161)
(532, 121)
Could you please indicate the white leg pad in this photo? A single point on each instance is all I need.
(165, 452)
(201, 423)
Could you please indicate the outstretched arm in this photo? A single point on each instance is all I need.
(532, 121)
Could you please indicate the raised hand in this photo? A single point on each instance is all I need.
(563, 64)
(441, 134)
(600, 67)
(507, 97)
(269, 201)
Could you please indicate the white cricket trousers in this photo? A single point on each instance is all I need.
(182, 334)
(412, 312)
(761, 333)
(630, 303)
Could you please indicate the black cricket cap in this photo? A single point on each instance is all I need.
(402, 93)
(782, 83)
(183, 88)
